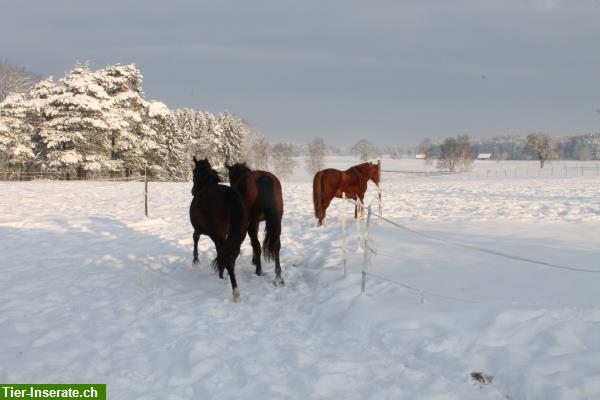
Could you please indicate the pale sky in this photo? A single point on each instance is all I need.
(393, 72)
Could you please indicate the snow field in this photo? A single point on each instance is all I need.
(90, 291)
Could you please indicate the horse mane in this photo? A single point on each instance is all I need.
(237, 170)
(204, 176)
(364, 170)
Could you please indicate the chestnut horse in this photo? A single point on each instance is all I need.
(218, 211)
(261, 194)
(330, 183)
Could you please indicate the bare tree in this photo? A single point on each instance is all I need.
(426, 149)
(396, 152)
(542, 146)
(456, 154)
(365, 150)
(257, 150)
(15, 80)
(281, 156)
(315, 155)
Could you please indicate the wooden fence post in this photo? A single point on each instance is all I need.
(379, 186)
(344, 233)
(366, 254)
(146, 191)
(358, 209)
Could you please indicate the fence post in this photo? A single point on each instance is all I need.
(379, 186)
(146, 191)
(366, 254)
(344, 233)
(358, 208)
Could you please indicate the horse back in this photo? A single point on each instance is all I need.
(261, 190)
(210, 211)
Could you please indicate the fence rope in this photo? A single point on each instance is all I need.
(484, 250)
(480, 249)
(421, 291)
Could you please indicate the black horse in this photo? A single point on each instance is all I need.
(261, 194)
(218, 211)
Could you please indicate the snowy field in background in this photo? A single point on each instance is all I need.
(91, 291)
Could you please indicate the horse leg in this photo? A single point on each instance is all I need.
(278, 279)
(325, 202)
(236, 291)
(196, 236)
(256, 250)
(362, 198)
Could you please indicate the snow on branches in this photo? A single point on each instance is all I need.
(98, 122)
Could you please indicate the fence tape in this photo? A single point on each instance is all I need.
(484, 250)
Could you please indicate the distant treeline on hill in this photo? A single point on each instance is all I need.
(508, 147)
(512, 147)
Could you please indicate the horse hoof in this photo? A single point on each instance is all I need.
(279, 281)
(195, 261)
(236, 295)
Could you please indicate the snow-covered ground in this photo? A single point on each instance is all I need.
(91, 291)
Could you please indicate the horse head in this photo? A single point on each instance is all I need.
(236, 171)
(374, 173)
(204, 175)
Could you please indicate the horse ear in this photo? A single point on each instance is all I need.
(194, 158)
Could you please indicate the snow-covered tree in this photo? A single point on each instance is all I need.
(256, 151)
(234, 133)
(425, 149)
(133, 142)
(75, 132)
(396, 152)
(100, 122)
(315, 155)
(542, 146)
(456, 154)
(16, 145)
(174, 156)
(365, 150)
(281, 157)
(15, 79)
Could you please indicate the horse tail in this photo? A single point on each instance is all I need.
(317, 195)
(229, 250)
(273, 212)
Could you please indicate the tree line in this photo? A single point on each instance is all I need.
(97, 123)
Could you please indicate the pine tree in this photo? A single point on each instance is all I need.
(175, 159)
(234, 133)
(16, 145)
(75, 132)
(134, 143)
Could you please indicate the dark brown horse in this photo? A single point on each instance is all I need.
(330, 183)
(218, 211)
(261, 193)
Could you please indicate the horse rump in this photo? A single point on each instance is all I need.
(272, 211)
(317, 195)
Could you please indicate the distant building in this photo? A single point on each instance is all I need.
(484, 156)
(420, 156)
